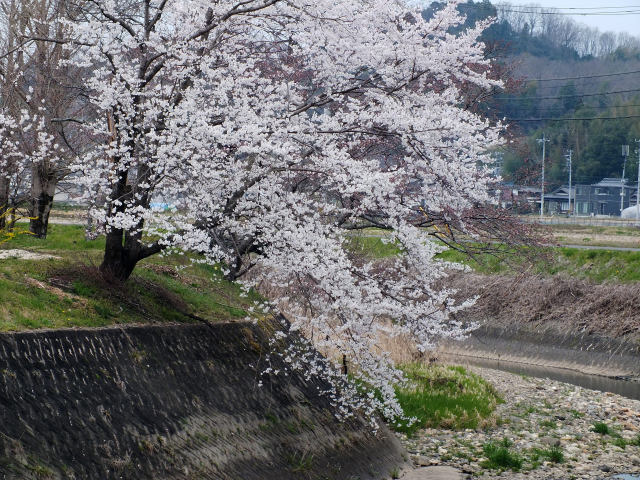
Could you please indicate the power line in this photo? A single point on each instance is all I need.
(615, 7)
(578, 95)
(607, 107)
(555, 119)
(580, 14)
(602, 75)
(590, 8)
(578, 11)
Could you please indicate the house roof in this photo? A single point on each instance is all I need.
(611, 182)
(562, 192)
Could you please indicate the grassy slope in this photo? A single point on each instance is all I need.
(67, 291)
(600, 266)
(595, 265)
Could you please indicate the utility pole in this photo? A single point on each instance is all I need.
(625, 155)
(544, 141)
(569, 155)
(638, 186)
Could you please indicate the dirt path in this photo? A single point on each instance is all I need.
(24, 255)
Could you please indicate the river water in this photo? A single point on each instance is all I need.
(626, 388)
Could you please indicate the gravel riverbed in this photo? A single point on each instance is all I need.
(537, 416)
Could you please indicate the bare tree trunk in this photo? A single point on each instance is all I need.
(120, 258)
(4, 201)
(43, 189)
(12, 218)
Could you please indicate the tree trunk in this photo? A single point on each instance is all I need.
(43, 189)
(40, 208)
(118, 262)
(121, 257)
(4, 201)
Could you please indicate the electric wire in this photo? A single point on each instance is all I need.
(570, 119)
(560, 97)
(577, 11)
(601, 75)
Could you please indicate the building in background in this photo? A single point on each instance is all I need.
(602, 198)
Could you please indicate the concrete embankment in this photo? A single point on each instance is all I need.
(171, 402)
(552, 322)
(576, 351)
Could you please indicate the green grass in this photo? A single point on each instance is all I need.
(602, 428)
(481, 263)
(68, 291)
(445, 397)
(598, 265)
(548, 424)
(595, 265)
(501, 457)
(300, 462)
(67, 238)
(618, 441)
(553, 454)
(374, 247)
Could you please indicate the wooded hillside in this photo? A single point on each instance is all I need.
(574, 83)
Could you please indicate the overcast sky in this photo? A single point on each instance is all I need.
(617, 23)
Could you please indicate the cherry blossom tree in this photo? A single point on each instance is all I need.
(258, 133)
(14, 171)
(37, 91)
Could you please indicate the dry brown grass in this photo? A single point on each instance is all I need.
(556, 301)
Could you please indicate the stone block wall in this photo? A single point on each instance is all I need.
(170, 402)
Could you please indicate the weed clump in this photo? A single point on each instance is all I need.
(501, 457)
(552, 454)
(601, 428)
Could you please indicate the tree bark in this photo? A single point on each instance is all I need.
(118, 262)
(122, 253)
(4, 201)
(43, 188)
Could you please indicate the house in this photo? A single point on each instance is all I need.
(557, 202)
(602, 198)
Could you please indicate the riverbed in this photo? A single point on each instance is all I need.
(539, 415)
(627, 387)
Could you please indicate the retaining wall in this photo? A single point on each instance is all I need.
(547, 347)
(170, 402)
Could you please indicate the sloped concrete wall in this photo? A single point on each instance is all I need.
(170, 402)
(547, 347)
